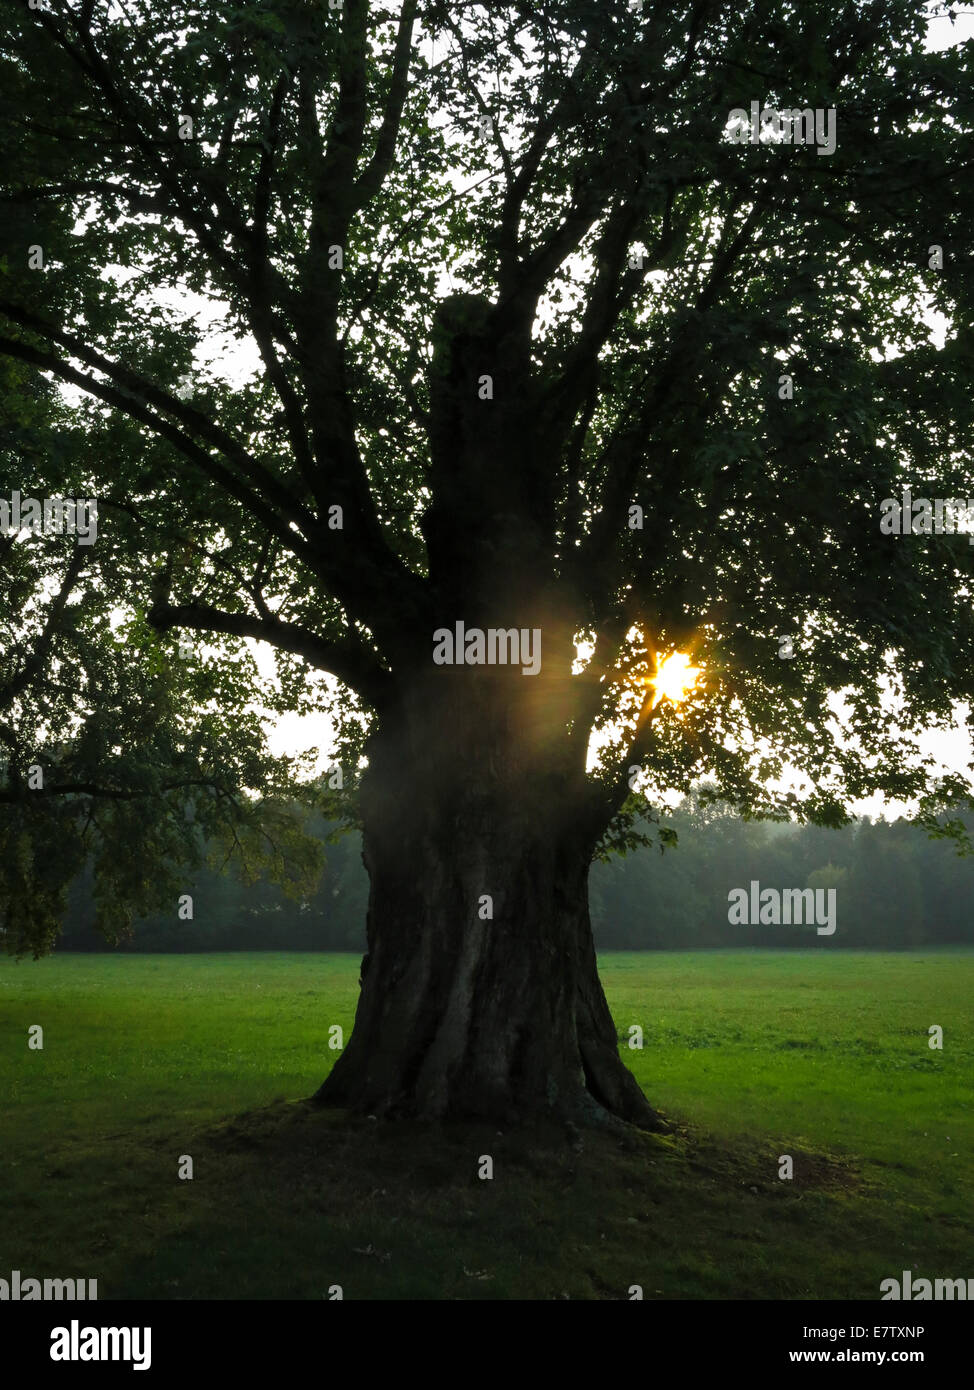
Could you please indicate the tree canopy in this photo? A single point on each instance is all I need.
(514, 311)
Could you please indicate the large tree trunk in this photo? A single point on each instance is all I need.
(469, 1007)
(476, 791)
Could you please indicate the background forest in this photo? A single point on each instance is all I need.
(895, 888)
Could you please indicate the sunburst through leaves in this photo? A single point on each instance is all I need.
(675, 678)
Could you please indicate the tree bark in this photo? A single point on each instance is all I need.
(480, 995)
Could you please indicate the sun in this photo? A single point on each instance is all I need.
(674, 678)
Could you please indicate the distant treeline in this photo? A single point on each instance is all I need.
(895, 887)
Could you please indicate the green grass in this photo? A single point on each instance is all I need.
(753, 1054)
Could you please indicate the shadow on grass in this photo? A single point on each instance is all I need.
(290, 1201)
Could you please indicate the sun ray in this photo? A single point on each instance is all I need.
(675, 678)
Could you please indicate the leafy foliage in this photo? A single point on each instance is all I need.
(374, 207)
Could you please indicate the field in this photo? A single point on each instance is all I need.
(818, 1054)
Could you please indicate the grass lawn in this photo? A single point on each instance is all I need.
(819, 1054)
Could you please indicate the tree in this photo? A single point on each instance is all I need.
(656, 408)
(112, 754)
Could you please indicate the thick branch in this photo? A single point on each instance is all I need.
(187, 446)
(378, 167)
(195, 419)
(350, 660)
